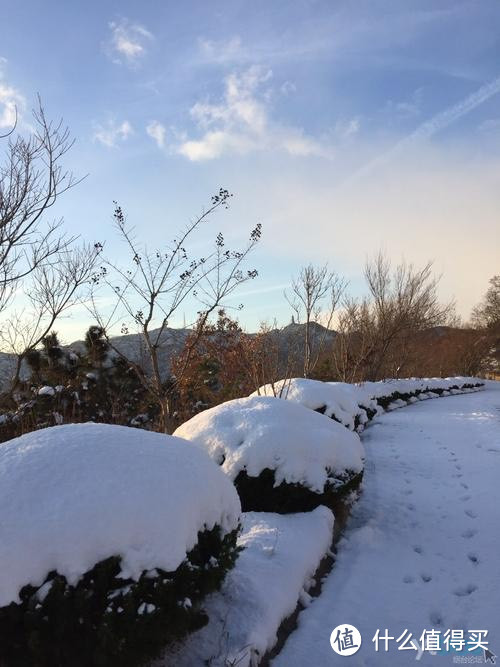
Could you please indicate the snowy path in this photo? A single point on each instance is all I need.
(422, 549)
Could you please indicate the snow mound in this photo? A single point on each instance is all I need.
(350, 404)
(46, 391)
(260, 432)
(71, 496)
(384, 388)
(338, 400)
(281, 554)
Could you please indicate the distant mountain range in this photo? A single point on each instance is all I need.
(171, 343)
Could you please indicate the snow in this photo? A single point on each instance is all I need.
(334, 399)
(384, 388)
(259, 432)
(421, 546)
(281, 554)
(346, 402)
(73, 495)
(46, 391)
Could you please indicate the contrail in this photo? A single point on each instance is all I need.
(439, 122)
(449, 116)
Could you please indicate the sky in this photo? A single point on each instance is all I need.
(343, 127)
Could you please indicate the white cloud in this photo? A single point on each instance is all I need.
(288, 88)
(12, 102)
(222, 51)
(157, 132)
(112, 133)
(491, 125)
(347, 128)
(128, 41)
(408, 108)
(241, 123)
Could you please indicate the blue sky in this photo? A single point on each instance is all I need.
(343, 127)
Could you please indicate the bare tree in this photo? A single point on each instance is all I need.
(377, 332)
(314, 297)
(38, 263)
(151, 291)
(404, 301)
(272, 359)
(354, 340)
(32, 179)
(487, 314)
(53, 289)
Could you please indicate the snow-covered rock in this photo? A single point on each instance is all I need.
(261, 432)
(46, 391)
(71, 496)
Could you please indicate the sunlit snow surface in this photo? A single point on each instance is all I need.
(281, 553)
(71, 496)
(422, 549)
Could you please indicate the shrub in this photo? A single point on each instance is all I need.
(282, 457)
(260, 494)
(105, 620)
(111, 537)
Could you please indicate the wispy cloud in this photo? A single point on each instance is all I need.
(222, 51)
(128, 42)
(241, 122)
(347, 128)
(408, 108)
(288, 88)
(490, 125)
(157, 132)
(12, 102)
(112, 133)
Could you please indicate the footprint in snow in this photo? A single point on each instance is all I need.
(408, 579)
(470, 532)
(471, 514)
(463, 591)
(436, 618)
(473, 558)
(426, 578)
(417, 549)
(464, 485)
(465, 498)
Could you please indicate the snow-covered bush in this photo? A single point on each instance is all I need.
(338, 400)
(111, 537)
(67, 386)
(355, 405)
(281, 456)
(392, 394)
